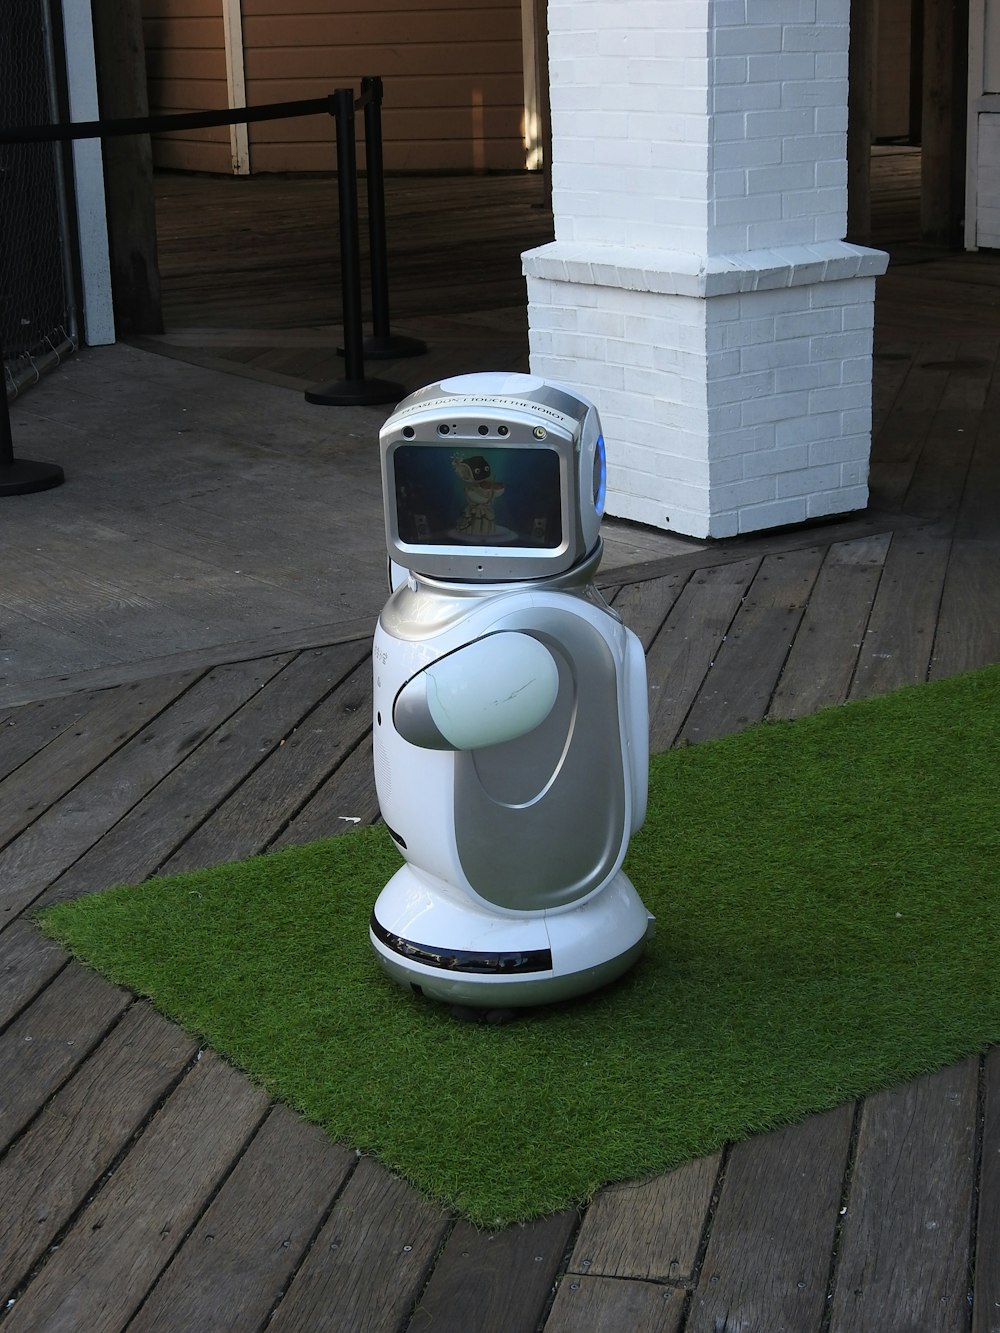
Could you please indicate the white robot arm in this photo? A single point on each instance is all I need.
(495, 689)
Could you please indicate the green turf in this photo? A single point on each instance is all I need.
(828, 923)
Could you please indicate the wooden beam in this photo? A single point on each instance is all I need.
(128, 167)
(860, 120)
(945, 81)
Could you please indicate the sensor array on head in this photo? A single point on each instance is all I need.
(492, 477)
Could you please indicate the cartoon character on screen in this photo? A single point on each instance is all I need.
(481, 492)
(510, 723)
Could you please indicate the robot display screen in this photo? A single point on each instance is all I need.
(465, 496)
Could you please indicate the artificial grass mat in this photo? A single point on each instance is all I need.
(826, 894)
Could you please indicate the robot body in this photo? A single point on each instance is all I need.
(511, 750)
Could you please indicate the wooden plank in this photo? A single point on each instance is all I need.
(115, 717)
(257, 812)
(28, 961)
(613, 1305)
(968, 626)
(43, 1046)
(26, 729)
(938, 481)
(478, 1272)
(986, 1300)
(197, 659)
(346, 800)
(154, 828)
(900, 636)
(648, 1228)
(895, 455)
(683, 651)
(126, 1234)
(768, 1256)
(53, 1168)
(230, 1271)
(369, 1262)
(968, 629)
(904, 1252)
(73, 824)
(824, 653)
(743, 675)
(645, 606)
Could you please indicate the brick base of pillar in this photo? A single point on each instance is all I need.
(734, 390)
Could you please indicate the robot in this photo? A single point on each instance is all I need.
(510, 716)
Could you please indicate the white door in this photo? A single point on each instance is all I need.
(982, 194)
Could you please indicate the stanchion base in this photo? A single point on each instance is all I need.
(356, 393)
(389, 346)
(22, 476)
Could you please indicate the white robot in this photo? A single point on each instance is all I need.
(510, 717)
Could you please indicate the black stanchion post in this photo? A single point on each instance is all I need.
(382, 344)
(354, 389)
(20, 476)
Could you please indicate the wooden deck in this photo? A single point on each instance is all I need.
(145, 1184)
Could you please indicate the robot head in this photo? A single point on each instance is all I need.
(494, 477)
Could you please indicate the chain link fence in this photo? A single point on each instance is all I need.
(37, 321)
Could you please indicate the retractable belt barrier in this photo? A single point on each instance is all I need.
(22, 476)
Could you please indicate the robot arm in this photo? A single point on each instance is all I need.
(495, 689)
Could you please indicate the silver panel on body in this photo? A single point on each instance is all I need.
(540, 821)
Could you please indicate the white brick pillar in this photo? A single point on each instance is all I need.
(699, 287)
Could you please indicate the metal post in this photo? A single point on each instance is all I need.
(382, 345)
(354, 389)
(20, 476)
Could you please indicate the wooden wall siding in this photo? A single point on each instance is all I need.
(186, 71)
(454, 91)
(892, 75)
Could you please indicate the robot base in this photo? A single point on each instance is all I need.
(430, 937)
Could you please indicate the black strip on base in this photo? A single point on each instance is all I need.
(462, 960)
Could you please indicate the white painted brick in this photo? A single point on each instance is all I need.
(777, 67)
(738, 388)
(816, 92)
(728, 69)
(831, 120)
(831, 65)
(775, 407)
(839, 346)
(738, 494)
(807, 203)
(840, 449)
(746, 97)
(842, 501)
(770, 462)
(747, 40)
(856, 473)
(747, 153)
(857, 421)
(858, 316)
(816, 37)
(787, 176)
(725, 470)
(769, 356)
(741, 441)
(857, 370)
(789, 231)
(776, 514)
(807, 323)
(839, 399)
(792, 378)
(807, 481)
(784, 11)
(807, 429)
